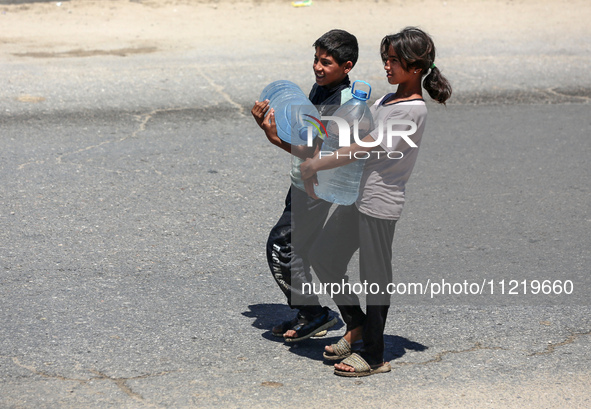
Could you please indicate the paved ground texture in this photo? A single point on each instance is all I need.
(136, 195)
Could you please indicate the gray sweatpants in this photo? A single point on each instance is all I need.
(346, 231)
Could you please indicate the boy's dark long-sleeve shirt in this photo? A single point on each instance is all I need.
(327, 100)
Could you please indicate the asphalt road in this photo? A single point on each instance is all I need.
(136, 196)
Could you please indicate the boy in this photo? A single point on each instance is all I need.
(289, 241)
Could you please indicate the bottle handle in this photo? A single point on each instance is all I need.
(353, 90)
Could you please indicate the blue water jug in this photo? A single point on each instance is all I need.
(341, 185)
(293, 112)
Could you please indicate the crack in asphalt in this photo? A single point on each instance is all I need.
(220, 90)
(143, 120)
(121, 383)
(439, 357)
(556, 92)
(34, 370)
(553, 95)
(551, 348)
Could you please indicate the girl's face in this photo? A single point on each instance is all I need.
(395, 72)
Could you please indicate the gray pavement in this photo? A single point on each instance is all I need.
(136, 195)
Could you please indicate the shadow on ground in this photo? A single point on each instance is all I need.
(268, 315)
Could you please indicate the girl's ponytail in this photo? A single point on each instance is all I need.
(437, 85)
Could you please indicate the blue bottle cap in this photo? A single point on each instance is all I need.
(362, 95)
(358, 94)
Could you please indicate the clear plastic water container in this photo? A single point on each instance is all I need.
(341, 185)
(293, 112)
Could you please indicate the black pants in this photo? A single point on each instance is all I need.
(346, 231)
(288, 246)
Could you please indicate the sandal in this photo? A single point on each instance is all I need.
(341, 350)
(285, 326)
(361, 367)
(309, 328)
(320, 334)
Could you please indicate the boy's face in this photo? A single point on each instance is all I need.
(327, 71)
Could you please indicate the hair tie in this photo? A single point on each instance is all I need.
(432, 65)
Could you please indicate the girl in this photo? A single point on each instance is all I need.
(368, 225)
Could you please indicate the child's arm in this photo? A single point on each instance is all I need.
(266, 121)
(341, 157)
(265, 118)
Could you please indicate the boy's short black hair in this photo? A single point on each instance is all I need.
(339, 44)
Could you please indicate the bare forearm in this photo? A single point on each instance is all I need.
(302, 151)
(324, 160)
(280, 143)
(329, 160)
